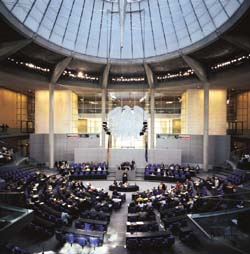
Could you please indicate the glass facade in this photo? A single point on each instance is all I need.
(238, 108)
(89, 113)
(167, 114)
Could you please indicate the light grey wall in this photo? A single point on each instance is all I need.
(90, 154)
(64, 146)
(117, 156)
(192, 148)
(168, 149)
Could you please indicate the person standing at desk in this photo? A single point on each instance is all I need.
(125, 177)
(132, 165)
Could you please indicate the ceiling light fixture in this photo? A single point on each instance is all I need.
(143, 98)
(113, 96)
(93, 102)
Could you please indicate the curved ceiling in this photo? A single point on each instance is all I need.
(121, 29)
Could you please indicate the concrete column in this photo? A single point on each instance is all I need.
(152, 118)
(51, 126)
(104, 93)
(206, 127)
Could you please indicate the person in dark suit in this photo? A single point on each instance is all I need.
(115, 184)
(125, 177)
(162, 187)
(132, 165)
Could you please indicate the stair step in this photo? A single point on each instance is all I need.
(139, 178)
(110, 178)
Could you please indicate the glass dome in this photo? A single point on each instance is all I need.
(120, 29)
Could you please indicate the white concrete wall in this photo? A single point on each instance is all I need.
(192, 112)
(64, 117)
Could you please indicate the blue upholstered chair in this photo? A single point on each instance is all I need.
(87, 226)
(69, 238)
(82, 241)
(94, 242)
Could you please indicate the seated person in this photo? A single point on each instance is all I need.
(87, 168)
(65, 218)
(115, 184)
(216, 182)
(197, 168)
(162, 187)
(125, 184)
(230, 187)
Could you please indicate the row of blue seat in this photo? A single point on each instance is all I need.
(83, 173)
(90, 226)
(102, 165)
(14, 249)
(79, 239)
(17, 174)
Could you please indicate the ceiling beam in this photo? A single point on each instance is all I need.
(59, 69)
(9, 48)
(150, 75)
(105, 76)
(197, 67)
(242, 42)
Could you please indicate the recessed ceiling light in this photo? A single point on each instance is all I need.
(113, 96)
(80, 74)
(93, 102)
(143, 98)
